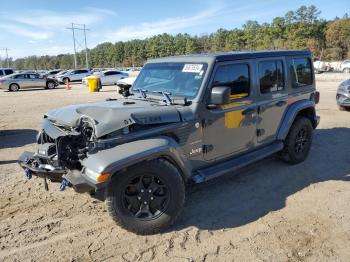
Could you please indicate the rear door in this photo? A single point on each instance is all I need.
(111, 77)
(36, 81)
(273, 97)
(82, 73)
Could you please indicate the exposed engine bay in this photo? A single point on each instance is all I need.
(67, 150)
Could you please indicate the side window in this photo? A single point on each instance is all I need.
(301, 72)
(21, 76)
(32, 76)
(236, 77)
(271, 76)
(8, 71)
(1, 73)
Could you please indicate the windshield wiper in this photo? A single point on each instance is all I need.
(166, 96)
(142, 92)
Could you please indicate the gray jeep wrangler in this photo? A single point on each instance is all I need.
(187, 119)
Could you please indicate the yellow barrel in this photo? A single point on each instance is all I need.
(92, 83)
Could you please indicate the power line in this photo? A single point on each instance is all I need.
(83, 28)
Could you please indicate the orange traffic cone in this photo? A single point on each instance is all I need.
(67, 84)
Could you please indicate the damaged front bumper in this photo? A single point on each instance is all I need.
(33, 164)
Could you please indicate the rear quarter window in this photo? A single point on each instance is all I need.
(301, 72)
(1, 73)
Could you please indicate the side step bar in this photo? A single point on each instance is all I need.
(236, 163)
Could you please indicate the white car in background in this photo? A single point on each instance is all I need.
(108, 77)
(73, 76)
(345, 66)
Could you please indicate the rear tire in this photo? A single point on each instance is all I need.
(50, 85)
(147, 198)
(14, 87)
(298, 142)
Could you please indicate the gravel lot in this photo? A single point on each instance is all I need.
(268, 211)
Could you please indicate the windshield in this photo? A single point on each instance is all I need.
(178, 79)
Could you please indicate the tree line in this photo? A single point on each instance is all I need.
(299, 29)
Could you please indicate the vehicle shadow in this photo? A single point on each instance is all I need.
(35, 89)
(245, 196)
(17, 137)
(6, 162)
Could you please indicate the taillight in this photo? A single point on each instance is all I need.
(315, 97)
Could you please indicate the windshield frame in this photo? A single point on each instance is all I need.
(153, 95)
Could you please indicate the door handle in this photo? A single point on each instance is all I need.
(249, 111)
(281, 103)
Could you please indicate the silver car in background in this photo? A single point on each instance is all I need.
(18, 81)
(343, 95)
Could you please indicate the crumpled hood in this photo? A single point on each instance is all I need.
(113, 115)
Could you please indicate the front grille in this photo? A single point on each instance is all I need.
(46, 139)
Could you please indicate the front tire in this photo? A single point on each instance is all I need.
(298, 142)
(14, 87)
(147, 198)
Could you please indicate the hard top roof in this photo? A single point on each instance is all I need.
(227, 56)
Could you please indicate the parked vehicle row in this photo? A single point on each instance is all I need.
(322, 66)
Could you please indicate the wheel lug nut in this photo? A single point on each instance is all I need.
(139, 198)
(145, 203)
(152, 198)
(150, 191)
(142, 190)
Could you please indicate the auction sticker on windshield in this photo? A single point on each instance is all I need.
(192, 68)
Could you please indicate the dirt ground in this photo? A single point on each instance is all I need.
(267, 212)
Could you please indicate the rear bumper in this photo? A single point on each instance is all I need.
(32, 164)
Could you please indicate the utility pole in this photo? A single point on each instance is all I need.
(75, 50)
(86, 51)
(7, 56)
(81, 27)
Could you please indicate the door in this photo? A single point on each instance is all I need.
(36, 81)
(273, 97)
(22, 80)
(231, 129)
(111, 77)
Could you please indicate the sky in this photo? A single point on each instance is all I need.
(39, 27)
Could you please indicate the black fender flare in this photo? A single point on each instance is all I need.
(121, 157)
(290, 115)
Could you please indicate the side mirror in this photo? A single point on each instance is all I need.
(220, 95)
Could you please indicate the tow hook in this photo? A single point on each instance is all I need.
(28, 173)
(64, 184)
